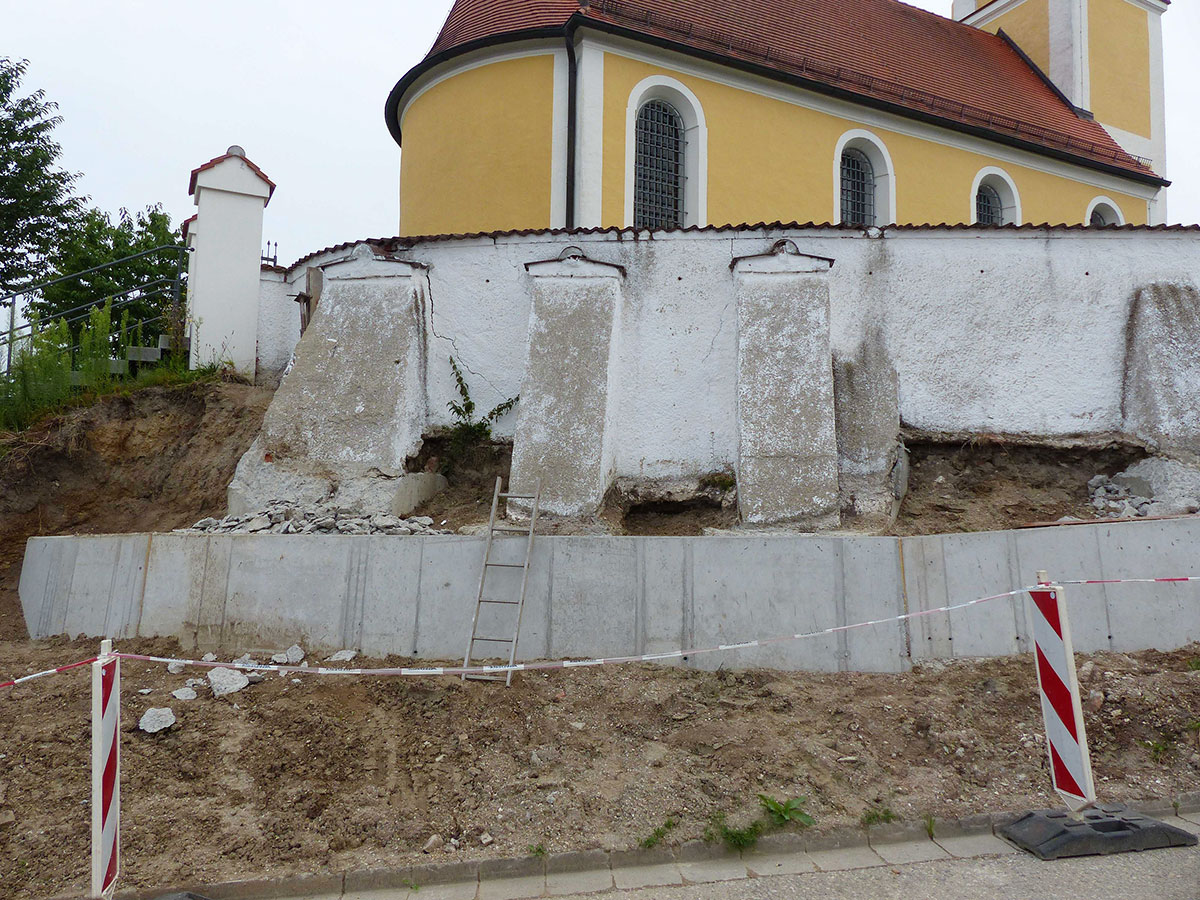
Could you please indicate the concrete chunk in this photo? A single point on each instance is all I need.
(156, 719)
(226, 681)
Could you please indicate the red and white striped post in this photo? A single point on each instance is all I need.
(106, 771)
(1062, 710)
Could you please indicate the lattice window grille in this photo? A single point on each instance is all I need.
(989, 208)
(658, 181)
(858, 188)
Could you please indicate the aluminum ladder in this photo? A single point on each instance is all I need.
(519, 603)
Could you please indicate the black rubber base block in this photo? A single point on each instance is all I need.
(1109, 828)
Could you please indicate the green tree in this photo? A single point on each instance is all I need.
(37, 202)
(141, 287)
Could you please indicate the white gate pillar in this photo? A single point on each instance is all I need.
(230, 193)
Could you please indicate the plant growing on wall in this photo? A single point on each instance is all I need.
(468, 431)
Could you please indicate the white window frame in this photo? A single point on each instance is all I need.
(876, 151)
(695, 153)
(1104, 201)
(1002, 183)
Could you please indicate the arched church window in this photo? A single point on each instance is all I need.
(989, 209)
(994, 198)
(659, 147)
(858, 188)
(1103, 211)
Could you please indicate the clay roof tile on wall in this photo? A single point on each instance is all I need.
(216, 160)
(879, 50)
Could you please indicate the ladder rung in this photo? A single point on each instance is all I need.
(484, 677)
(507, 565)
(518, 497)
(510, 529)
(493, 640)
(505, 602)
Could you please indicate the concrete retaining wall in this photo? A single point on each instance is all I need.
(608, 596)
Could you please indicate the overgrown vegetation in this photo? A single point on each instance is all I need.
(50, 372)
(468, 432)
(776, 814)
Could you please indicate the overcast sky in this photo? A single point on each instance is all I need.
(149, 89)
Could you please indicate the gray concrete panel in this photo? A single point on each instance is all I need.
(595, 597)
(208, 626)
(175, 578)
(288, 588)
(925, 587)
(449, 583)
(664, 592)
(1067, 553)
(386, 620)
(1160, 616)
(746, 588)
(106, 586)
(45, 584)
(872, 590)
(977, 565)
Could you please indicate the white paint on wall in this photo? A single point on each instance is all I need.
(1020, 333)
(223, 291)
(589, 129)
(278, 324)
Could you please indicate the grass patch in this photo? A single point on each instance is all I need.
(656, 836)
(877, 815)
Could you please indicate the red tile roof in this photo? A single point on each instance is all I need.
(879, 50)
(220, 159)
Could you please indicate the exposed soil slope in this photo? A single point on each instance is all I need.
(994, 486)
(353, 772)
(153, 460)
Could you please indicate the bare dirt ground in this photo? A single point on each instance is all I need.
(994, 486)
(288, 777)
(156, 459)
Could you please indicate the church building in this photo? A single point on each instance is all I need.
(534, 114)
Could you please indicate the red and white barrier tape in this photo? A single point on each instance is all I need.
(568, 664)
(572, 663)
(1130, 580)
(23, 679)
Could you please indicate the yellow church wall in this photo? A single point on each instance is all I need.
(1119, 61)
(477, 150)
(1028, 24)
(771, 160)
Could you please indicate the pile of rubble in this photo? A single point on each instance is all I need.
(1152, 487)
(222, 681)
(281, 517)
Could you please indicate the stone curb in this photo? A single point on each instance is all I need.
(782, 842)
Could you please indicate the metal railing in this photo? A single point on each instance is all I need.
(163, 286)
